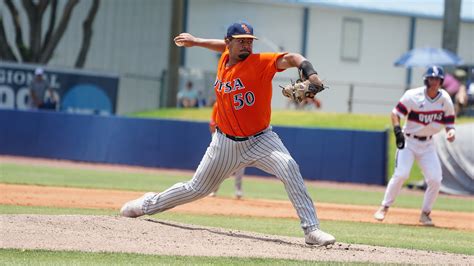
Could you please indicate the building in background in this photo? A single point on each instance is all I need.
(353, 44)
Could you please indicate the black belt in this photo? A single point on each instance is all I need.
(419, 137)
(234, 138)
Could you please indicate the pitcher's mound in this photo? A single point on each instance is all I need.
(151, 236)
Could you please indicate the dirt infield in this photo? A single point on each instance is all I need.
(151, 236)
(113, 199)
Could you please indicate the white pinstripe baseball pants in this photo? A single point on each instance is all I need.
(223, 157)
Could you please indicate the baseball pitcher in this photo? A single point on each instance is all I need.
(243, 89)
(239, 174)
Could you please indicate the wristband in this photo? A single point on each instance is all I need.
(307, 69)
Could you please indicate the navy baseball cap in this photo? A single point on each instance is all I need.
(240, 30)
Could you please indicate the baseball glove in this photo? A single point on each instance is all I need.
(300, 90)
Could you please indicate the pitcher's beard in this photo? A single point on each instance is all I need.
(243, 55)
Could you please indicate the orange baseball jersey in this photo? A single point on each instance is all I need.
(244, 93)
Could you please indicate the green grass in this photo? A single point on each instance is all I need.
(270, 188)
(308, 119)
(44, 257)
(291, 118)
(84, 178)
(401, 236)
(412, 237)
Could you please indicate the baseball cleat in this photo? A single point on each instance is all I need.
(425, 219)
(134, 208)
(239, 194)
(380, 214)
(319, 238)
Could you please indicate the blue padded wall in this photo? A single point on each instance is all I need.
(338, 155)
(322, 154)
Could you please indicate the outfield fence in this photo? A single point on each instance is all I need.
(323, 154)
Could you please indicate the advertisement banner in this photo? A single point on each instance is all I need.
(79, 91)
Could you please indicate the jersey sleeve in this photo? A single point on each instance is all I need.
(449, 113)
(269, 61)
(404, 105)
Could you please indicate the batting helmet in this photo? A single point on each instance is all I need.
(434, 71)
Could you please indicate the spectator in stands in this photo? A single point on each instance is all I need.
(189, 97)
(306, 102)
(465, 97)
(451, 84)
(460, 94)
(201, 100)
(312, 101)
(42, 95)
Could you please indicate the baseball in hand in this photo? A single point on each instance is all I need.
(179, 43)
